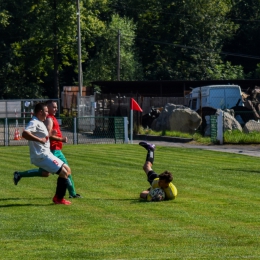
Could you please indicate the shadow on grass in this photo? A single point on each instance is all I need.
(242, 170)
(132, 201)
(23, 199)
(27, 204)
(116, 199)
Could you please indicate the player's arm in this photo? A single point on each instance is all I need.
(30, 137)
(49, 125)
(144, 194)
(170, 192)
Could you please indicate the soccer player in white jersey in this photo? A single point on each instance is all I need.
(37, 135)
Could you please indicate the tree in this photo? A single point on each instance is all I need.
(181, 39)
(103, 65)
(245, 43)
(40, 40)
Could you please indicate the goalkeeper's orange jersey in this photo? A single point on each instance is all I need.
(170, 192)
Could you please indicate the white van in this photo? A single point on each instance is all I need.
(216, 96)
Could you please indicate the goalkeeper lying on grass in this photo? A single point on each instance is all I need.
(163, 180)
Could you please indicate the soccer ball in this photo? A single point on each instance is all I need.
(157, 194)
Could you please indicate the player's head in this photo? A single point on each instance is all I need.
(41, 111)
(52, 107)
(164, 179)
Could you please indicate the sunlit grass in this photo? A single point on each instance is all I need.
(230, 137)
(196, 136)
(148, 131)
(201, 139)
(215, 215)
(237, 137)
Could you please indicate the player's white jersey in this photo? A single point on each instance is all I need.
(37, 149)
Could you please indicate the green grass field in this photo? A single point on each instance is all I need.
(215, 216)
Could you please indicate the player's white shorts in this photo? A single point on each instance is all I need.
(49, 163)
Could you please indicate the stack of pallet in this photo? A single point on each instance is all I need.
(69, 98)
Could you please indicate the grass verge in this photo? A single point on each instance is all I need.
(196, 136)
(237, 137)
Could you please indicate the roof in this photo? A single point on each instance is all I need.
(215, 87)
(176, 88)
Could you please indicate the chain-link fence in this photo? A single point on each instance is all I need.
(119, 105)
(84, 130)
(20, 107)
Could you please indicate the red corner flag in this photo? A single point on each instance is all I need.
(135, 106)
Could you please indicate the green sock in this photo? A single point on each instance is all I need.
(31, 173)
(70, 186)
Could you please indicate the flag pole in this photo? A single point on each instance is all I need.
(133, 106)
(131, 126)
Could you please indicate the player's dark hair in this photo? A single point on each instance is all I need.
(38, 107)
(50, 101)
(166, 176)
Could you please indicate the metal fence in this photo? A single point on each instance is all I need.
(111, 104)
(20, 107)
(84, 130)
(119, 105)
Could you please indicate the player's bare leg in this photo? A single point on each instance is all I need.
(147, 167)
(149, 157)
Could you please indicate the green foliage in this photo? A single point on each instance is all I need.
(226, 71)
(160, 40)
(4, 18)
(41, 44)
(256, 73)
(201, 139)
(215, 215)
(196, 137)
(246, 40)
(148, 131)
(237, 137)
(184, 38)
(230, 137)
(103, 66)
